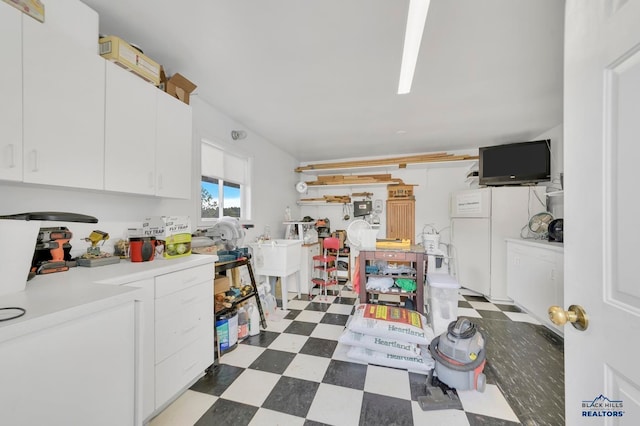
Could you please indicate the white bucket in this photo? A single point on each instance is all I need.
(16, 253)
(368, 239)
(430, 242)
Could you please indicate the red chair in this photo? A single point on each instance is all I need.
(326, 266)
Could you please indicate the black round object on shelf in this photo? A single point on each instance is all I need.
(556, 230)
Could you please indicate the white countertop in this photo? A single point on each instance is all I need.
(552, 245)
(55, 298)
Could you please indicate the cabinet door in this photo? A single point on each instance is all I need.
(145, 349)
(173, 155)
(81, 372)
(535, 280)
(63, 93)
(401, 219)
(11, 89)
(130, 132)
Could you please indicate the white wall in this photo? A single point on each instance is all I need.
(273, 178)
(555, 204)
(435, 182)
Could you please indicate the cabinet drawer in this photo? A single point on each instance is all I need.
(176, 281)
(179, 370)
(181, 327)
(392, 255)
(168, 305)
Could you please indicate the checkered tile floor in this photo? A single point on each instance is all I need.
(296, 373)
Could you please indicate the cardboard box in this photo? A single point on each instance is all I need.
(162, 227)
(33, 8)
(122, 53)
(177, 245)
(401, 191)
(221, 284)
(180, 87)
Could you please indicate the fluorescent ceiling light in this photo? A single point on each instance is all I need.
(413, 36)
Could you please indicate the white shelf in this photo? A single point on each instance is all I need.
(555, 193)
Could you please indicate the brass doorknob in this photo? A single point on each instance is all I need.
(576, 315)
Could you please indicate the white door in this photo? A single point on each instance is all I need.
(602, 149)
(471, 251)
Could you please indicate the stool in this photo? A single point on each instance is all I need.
(326, 266)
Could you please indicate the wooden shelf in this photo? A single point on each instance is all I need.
(382, 163)
(318, 203)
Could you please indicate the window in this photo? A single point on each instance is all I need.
(223, 186)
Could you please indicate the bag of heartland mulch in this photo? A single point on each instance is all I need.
(421, 363)
(380, 344)
(390, 322)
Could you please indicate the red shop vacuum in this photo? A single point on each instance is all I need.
(459, 355)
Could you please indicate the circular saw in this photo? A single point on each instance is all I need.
(228, 232)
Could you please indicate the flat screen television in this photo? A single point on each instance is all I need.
(515, 163)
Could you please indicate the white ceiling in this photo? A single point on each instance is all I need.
(319, 77)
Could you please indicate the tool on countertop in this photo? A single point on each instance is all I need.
(94, 256)
(52, 250)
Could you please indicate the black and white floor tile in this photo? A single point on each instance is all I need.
(296, 373)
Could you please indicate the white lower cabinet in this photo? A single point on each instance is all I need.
(176, 343)
(145, 366)
(535, 277)
(184, 345)
(82, 372)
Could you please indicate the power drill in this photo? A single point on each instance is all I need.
(54, 241)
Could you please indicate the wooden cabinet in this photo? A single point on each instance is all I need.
(535, 277)
(11, 89)
(63, 109)
(78, 372)
(401, 219)
(414, 258)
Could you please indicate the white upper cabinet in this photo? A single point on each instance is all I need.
(11, 90)
(130, 132)
(173, 154)
(147, 138)
(64, 101)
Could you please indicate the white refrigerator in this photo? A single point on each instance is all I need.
(481, 220)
